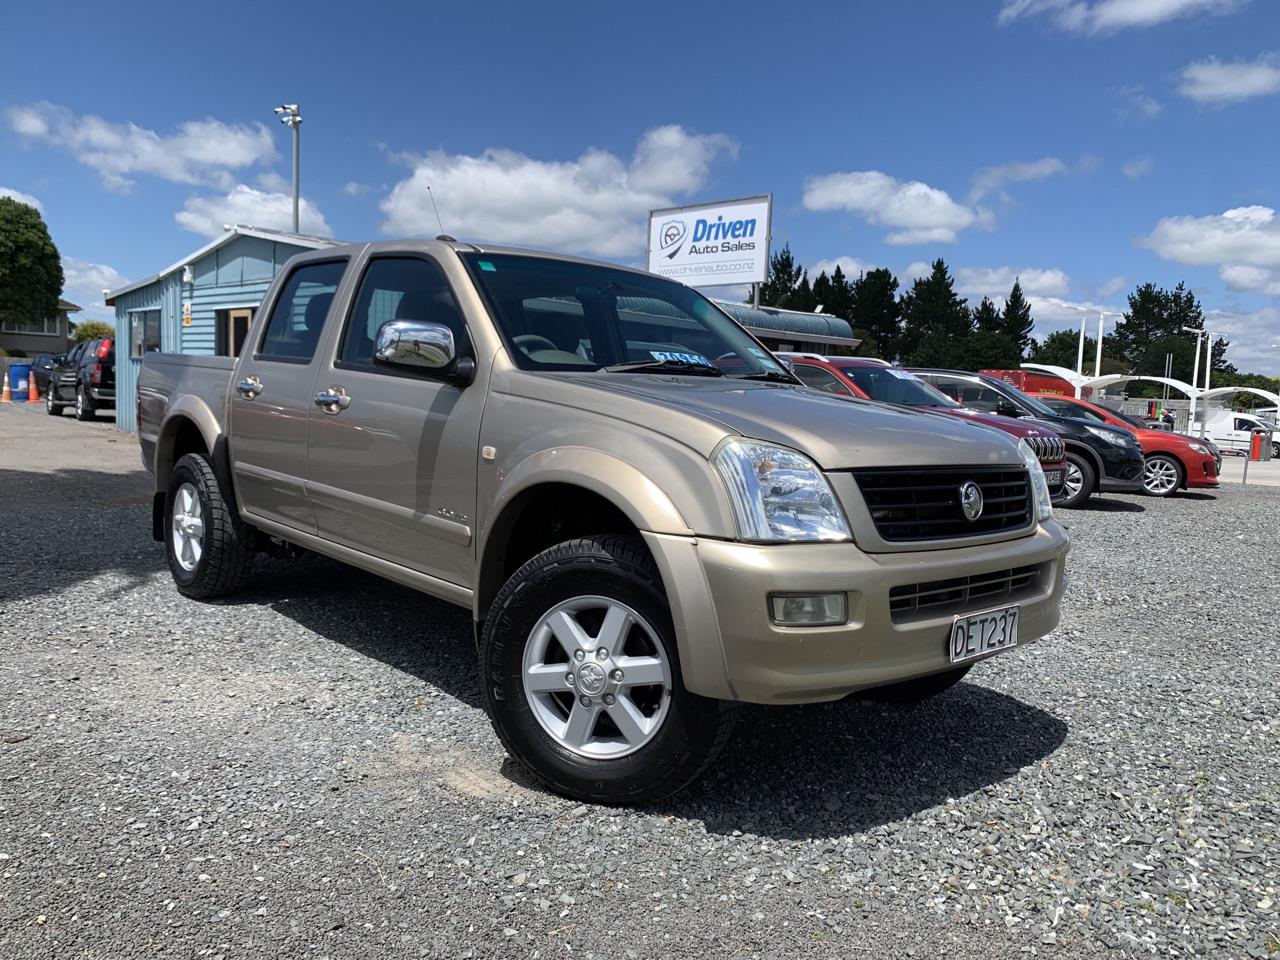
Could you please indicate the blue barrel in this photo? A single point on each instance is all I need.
(20, 381)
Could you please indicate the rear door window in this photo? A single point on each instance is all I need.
(298, 315)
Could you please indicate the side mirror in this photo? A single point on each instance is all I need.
(59, 359)
(426, 347)
(1006, 408)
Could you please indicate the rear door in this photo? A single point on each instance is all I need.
(64, 375)
(271, 396)
(393, 472)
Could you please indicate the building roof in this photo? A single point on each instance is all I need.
(66, 306)
(772, 321)
(233, 230)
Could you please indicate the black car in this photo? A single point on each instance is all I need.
(85, 377)
(41, 366)
(1100, 458)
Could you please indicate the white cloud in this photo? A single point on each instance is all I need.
(21, 197)
(274, 182)
(996, 282)
(989, 179)
(851, 267)
(1113, 286)
(1243, 243)
(84, 282)
(1138, 167)
(1216, 83)
(917, 212)
(1134, 101)
(1253, 335)
(594, 204)
(198, 152)
(353, 189)
(1238, 276)
(1093, 16)
(255, 208)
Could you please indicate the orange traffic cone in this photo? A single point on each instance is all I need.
(33, 393)
(6, 395)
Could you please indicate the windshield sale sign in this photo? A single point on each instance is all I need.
(712, 243)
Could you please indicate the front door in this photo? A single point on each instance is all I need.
(63, 379)
(392, 470)
(271, 398)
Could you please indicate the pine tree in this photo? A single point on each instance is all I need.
(785, 275)
(1016, 322)
(874, 310)
(986, 317)
(932, 309)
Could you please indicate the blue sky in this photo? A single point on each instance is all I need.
(1084, 145)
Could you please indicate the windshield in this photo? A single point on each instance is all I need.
(1132, 421)
(890, 385)
(560, 315)
(1020, 398)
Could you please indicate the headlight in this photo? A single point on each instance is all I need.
(1039, 486)
(778, 494)
(1200, 448)
(1116, 438)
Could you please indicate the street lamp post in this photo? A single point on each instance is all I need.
(1195, 371)
(1084, 319)
(290, 117)
(1102, 319)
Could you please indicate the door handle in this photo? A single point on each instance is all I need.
(333, 400)
(249, 387)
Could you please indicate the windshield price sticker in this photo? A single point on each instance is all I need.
(696, 358)
(900, 374)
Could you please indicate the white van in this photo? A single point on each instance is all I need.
(1233, 432)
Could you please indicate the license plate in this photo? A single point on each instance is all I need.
(1053, 478)
(983, 633)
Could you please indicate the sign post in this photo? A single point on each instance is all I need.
(713, 244)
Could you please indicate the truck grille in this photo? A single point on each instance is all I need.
(941, 598)
(924, 504)
(1048, 449)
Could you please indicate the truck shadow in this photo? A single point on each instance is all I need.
(825, 770)
(1111, 505)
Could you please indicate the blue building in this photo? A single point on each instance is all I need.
(202, 304)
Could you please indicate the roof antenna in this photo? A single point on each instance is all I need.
(443, 235)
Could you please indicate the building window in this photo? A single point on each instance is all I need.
(144, 332)
(48, 326)
(232, 329)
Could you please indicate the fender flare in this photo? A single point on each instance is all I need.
(193, 409)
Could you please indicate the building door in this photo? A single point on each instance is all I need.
(233, 328)
(271, 397)
(393, 472)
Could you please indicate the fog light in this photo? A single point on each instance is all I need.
(808, 609)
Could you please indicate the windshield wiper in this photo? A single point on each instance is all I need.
(771, 375)
(666, 366)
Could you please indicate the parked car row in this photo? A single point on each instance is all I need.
(649, 517)
(83, 378)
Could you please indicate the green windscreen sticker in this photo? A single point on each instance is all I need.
(486, 265)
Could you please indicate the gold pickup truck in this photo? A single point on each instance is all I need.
(648, 516)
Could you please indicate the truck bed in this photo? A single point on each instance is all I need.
(166, 376)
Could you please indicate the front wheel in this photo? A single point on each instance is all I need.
(1080, 481)
(1161, 475)
(210, 550)
(913, 691)
(51, 406)
(582, 677)
(84, 405)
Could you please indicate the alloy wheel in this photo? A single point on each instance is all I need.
(188, 527)
(1074, 482)
(597, 678)
(1159, 476)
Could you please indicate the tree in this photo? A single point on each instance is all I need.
(986, 317)
(874, 310)
(782, 288)
(1060, 348)
(1017, 323)
(30, 269)
(932, 308)
(1153, 329)
(92, 330)
(989, 350)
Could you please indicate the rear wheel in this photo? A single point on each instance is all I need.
(913, 691)
(210, 550)
(582, 678)
(1162, 475)
(1080, 481)
(84, 405)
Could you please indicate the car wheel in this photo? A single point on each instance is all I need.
(913, 691)
(209, 548)
(51, 406)
(84, 405)
(582, 679)
(1162, 475)
(1079, 483)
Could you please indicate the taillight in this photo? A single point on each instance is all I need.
(103, 349)
(97, 373)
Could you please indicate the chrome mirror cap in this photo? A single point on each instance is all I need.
(419, 344)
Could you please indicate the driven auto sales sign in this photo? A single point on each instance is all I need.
(710, 244)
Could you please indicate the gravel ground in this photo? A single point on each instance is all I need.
(305, 770)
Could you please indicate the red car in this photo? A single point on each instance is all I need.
(1173, 461)
(877, 380)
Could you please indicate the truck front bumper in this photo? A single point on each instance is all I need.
(731, 649)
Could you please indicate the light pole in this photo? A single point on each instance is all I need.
(1195, 371)
(1102, 319)
(290, 117)
(1084, 319)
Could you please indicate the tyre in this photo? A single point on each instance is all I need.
(1162, 475)
(210, 550)
(51, 406)
(1080, 481)
(84, 405)
(913, 691)
(582, 679)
